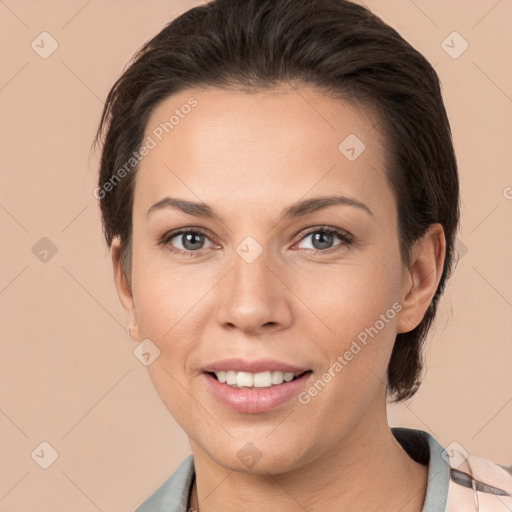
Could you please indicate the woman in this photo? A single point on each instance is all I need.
(279, 190)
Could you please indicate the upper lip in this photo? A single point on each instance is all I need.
(238, 364)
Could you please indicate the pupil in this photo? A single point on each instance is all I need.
(188, 237)
(321, 236)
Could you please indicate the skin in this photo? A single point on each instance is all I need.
(249, 156)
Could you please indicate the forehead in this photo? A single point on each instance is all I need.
(212, 142)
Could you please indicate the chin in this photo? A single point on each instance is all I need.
(258, 457)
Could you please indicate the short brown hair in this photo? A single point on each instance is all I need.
(335, 45)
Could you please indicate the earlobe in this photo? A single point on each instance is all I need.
(134, 332)
(124, 290)
(421, 278)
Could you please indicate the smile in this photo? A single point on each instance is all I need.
(263, 379)
(255, 393)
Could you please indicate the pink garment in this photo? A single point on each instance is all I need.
(477, 484)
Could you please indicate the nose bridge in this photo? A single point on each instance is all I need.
(250, 275)
(251, 295)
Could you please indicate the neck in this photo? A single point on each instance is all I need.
(367, 469)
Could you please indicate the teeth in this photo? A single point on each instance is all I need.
(244, 379)
(262, 380)
(257, 380)
(277, 377)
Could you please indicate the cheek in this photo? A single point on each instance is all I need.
(167, 314)
(171, 310)
(163, 295)
(356, 309)
(348, 298)
(361, 313)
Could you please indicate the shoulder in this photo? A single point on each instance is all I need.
(173, 494)
(476, 483)
(457, 481)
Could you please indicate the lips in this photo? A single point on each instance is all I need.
(244, 386)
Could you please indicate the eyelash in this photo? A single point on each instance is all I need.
(346, 238)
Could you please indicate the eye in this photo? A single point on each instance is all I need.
(323, 238)
(190, 239)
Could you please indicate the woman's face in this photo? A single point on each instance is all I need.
(262, 291)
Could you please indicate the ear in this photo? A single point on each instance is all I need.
(421, 278)
(124, 290)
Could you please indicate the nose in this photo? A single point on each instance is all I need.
(254, 297)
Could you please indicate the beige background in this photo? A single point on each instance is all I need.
(67, 369)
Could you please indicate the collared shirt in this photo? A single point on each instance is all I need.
(450, 487)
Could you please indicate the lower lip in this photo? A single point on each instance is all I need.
(256, 400)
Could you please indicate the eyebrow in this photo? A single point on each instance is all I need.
(298, 209)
